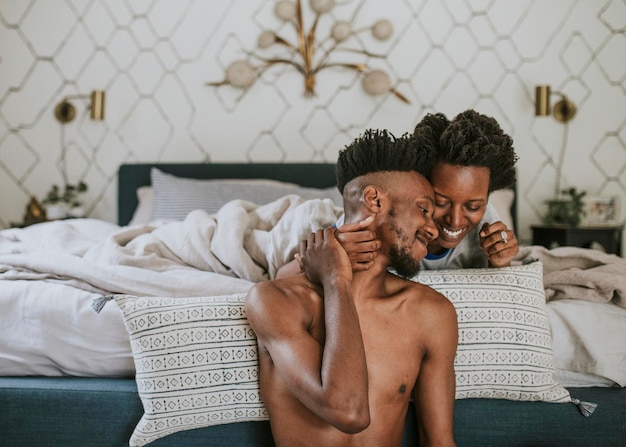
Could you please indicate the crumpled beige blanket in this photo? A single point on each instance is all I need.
(203, 255)
(580, 273)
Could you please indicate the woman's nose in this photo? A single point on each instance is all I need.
(455, 217)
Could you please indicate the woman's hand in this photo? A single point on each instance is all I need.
(498, 243)
(361, 246)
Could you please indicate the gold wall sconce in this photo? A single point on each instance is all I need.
(564, 110)
(66, 195)
(310, 56)
(66, 112)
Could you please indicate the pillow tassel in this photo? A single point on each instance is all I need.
(98, 303)
(586, 408)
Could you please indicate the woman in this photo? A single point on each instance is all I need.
(472, 157)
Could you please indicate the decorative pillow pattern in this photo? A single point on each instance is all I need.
(505, 344)
(196, 363)
(196, 359)
(175, 197)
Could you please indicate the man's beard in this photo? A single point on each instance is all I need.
(402, 262)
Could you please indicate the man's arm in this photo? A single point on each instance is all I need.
(330, 379)
(435, 387)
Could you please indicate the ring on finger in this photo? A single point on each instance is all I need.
(504, 237)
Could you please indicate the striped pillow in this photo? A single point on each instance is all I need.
(505, 343)
(175, 197)
(196, 358)
(196, 363)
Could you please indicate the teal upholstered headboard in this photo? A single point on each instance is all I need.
(132, 176)
(313, 175)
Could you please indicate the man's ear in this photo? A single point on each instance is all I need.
(372, 197)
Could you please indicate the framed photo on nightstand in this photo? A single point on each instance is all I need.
(602, 210)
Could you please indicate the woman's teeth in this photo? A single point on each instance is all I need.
(452, 233)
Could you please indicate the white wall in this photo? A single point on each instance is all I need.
(154, 58)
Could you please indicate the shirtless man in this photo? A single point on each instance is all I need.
(341, 352)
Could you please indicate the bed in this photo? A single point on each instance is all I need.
(168, 286)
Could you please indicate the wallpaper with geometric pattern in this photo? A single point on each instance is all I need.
(154, 58)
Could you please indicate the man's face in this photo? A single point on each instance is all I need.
(410, 222)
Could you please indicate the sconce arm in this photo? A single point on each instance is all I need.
(280, 41)
(77, 96)
(400, 96)
(564, 110)
(325, 57)
(65, 111)
(357, 67)
(275, 61)
(363, 52)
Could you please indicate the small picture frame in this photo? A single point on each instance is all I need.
(602, 210)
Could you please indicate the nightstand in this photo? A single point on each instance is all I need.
(550, 236)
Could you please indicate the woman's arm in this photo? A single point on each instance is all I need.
(361, 246)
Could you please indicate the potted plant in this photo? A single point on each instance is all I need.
(60, 205)
(568, 209)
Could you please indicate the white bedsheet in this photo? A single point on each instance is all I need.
(51, 329)
(50, 273)
(589, 342)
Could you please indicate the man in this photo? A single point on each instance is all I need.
(341, 352)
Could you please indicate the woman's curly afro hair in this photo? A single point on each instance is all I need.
(472, 139)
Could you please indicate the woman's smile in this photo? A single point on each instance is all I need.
(450, 234)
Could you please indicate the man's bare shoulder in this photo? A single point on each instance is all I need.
(281, 288)
(436, 316)
(428, 302)
(269, 301)
(419, 290)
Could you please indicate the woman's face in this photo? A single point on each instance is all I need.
(461, 194)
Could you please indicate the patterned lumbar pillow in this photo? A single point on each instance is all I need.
(505, 343)
(196, 363)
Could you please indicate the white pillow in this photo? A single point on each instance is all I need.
(502, 201)
(196, 361)
(505, 345)
(175, 197)
(589, 342)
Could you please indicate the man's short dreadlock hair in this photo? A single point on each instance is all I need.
(472, 139)
(378, 151)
